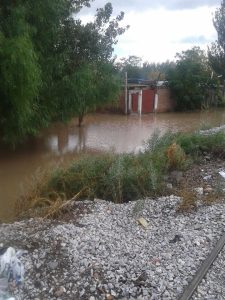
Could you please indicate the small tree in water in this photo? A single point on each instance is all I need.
(87, 88)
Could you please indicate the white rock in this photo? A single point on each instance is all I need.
(222, 173)
(143, 222)
(199, 191)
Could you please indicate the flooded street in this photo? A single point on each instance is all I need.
(101, 132)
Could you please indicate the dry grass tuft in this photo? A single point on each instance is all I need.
(46, 208)
(31, 195)
(60, 206)
(214, 197)
(176, 156)
(38, 201)
(189, 200)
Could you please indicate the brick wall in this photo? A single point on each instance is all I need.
(165, 102)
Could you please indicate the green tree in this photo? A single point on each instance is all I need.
(88, 79)
(136, 68)
(157, 71)
(49, 18)
(92, 85)
(20, 75)
(190, 79)
(132, 65)
(216, 51)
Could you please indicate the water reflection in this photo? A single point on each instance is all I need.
(67, 141)
(61, 143)
(123, 133)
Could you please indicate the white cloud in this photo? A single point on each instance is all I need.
(157, 34)
(142, 5)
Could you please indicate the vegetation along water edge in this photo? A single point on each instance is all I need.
(123, 177)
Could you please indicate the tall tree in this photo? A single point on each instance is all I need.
(157, 71)
(132, 65)
(136, 68)
(216, 51)
(20, 74)
(190, 79)
(88, 69)
(92, 85)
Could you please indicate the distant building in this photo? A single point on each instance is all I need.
(145, 96)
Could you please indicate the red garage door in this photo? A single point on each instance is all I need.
(148, 101)
(134, 102)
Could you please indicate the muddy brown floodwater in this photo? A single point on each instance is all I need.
(101, 132)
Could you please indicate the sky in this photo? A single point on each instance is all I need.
(161, 28)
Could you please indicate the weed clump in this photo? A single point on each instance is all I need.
(176, 157)
(188, 202)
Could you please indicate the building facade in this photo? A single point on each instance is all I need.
(146, 98)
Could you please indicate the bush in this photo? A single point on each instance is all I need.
(118, 178)
(84, 175)
(195, 144)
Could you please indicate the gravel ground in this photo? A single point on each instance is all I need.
(105, 253)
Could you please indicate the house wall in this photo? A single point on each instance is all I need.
(122, 102)
(165, 103)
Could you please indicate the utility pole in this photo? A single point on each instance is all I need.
(126, 110)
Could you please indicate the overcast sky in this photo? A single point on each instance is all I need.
(161, 28)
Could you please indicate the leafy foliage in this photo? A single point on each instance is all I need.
(216, 51)
(136, 68)
(191, 79)
(20, 77)
(82, 91)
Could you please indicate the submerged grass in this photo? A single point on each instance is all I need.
(120, 178)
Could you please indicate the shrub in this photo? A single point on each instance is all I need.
(195, 144)
(84, 175)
